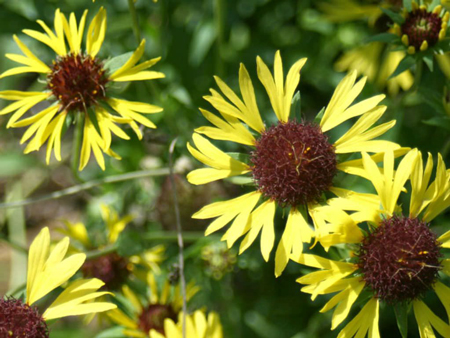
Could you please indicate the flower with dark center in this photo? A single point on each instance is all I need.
(48, 269)
(400, 260)
(396, 258)
(18, 319)
(422, 28)
(112, 269)
(164, 303)
(153, 316)
(78, 87)
(293, 163)
(78, 82)
(290, 165)
(199, 326)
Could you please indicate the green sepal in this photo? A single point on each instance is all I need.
(407, 4)
(296, 108)
(67, 122)
(401, 314)
(93, 117)
(396, 17)
(319, 116)
(407, 63)
(115, 63)
(244, 158)
(384, 37)
(428, 60)
(241, 180)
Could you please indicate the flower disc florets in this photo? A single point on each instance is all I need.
(153, 317)
(21, 320)
(112, 269)
(77, 81)
(421, 25)
(400, 260)
(293, 163)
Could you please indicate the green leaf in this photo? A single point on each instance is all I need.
(296, 108)
(130, 243)
(401, 314)
(428, 60)
(407, 63)
(319, 116)
(407, 4)
(396, 17)
(245, 158)
(113, 332)
(116, 62)
(439, 121)
(202, 40)
(384, 37)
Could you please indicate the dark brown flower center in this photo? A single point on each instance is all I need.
(21, 320)
(77, 81)
(421, 25)
(293, 163)
(153, 317)
(400, 260)
(112, 269)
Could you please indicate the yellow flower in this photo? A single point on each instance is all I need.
(78, 87)
(197, 326)
(290, 164)
(377, 63)
(144, 316)
(48, 270)
(398, 260)
(112, 268)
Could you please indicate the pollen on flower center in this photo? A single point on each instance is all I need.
(112, 269)
(153, 317)
(77, 81)
(400, 260)
(293, 163)
(18, 319)
(421, 25)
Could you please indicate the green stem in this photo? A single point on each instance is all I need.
(418, 75)
(219, 18)
(134, 18)
(86, 186)
(76, 148)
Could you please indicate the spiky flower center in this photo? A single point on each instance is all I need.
(112, 269)
(293, 163)
(18, 319)
(400, 260)
(153, 317)
(77, 81)
(421, 25)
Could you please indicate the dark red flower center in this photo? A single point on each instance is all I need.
(21, 320)
(153, 317)
(112, 269)
(77, 81)
(421, 25)
(293, 163)
(400, 260)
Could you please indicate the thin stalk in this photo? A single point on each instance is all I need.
(134, 18)
(76, 147)
(179, 235)
(219, 19)
(86, 186)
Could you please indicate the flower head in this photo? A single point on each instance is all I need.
(113, 269)
(395, 256)
(78, 87)
(291, 164)
(48, 270)
(197, 326)
(143, 317)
